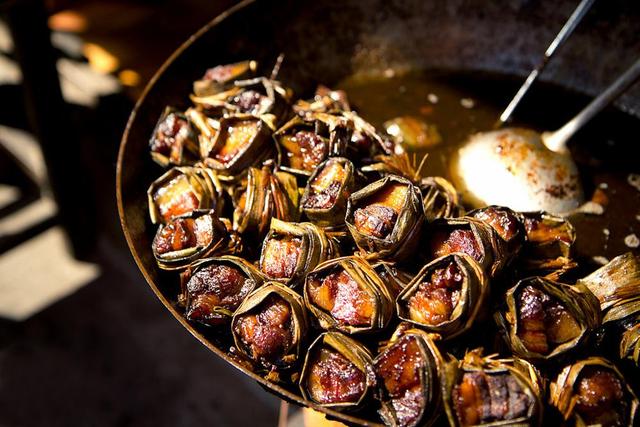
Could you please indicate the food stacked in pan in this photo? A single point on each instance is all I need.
(337, 269)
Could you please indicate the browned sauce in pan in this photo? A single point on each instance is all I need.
(461, 104)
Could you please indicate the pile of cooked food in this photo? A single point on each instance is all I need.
(313, 242)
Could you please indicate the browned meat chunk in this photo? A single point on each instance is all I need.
(400, 368)
(334, 379)
(436, 299)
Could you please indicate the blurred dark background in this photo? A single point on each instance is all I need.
(83, 340)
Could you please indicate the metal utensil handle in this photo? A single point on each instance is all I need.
(562, 36)
(557, 141)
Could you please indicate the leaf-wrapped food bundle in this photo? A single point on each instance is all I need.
(366, 141)
(385, 218)
(325, 100)
(174, 140)
(265, 195)
(291, 250)
(213, 288)
(508, 226)
(466, 235)
(549, 242)
(325, 196)
(545, 319)
(617, 287)
(408, 370)
(221, 77)
(594, 392)
(240, 142)
(337, 372)
(484, 391)
(304, 143)
(182, 190)
(630, 341)
(260, 97)
(347, 294)
(446, 296)
(270, 328)
(440, 198)
(198, 234)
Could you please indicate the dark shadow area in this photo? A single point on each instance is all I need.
(110, 354)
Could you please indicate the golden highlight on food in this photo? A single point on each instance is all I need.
(379, 213)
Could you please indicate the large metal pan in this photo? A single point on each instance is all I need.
(325, 41)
